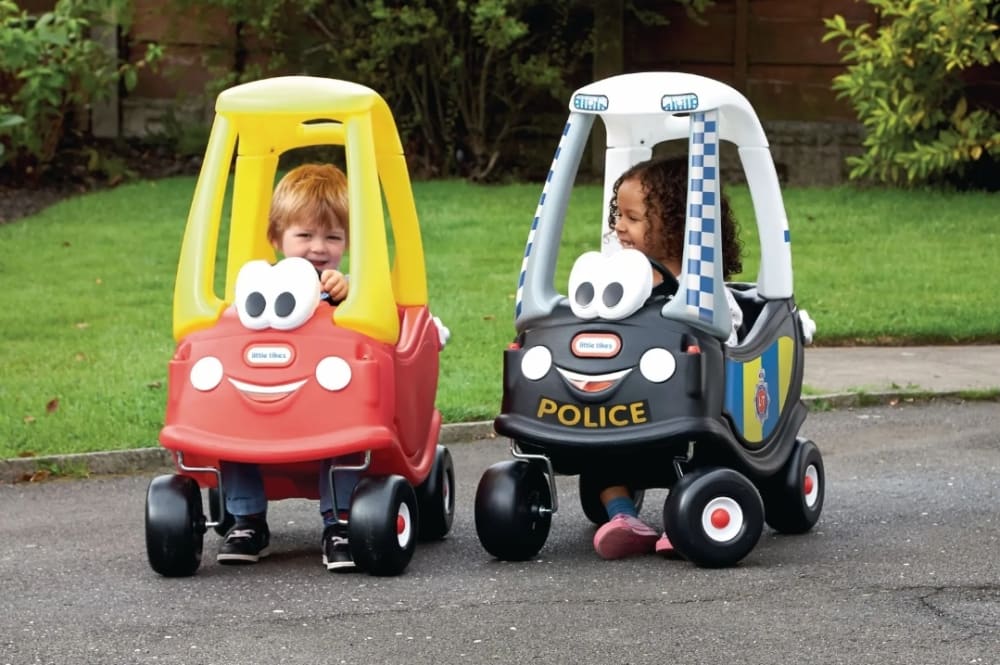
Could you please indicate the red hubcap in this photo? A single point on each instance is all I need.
(400, 524)
(720, 518)
(807, 485)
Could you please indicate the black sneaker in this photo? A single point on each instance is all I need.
(336, 549)
(246, 542)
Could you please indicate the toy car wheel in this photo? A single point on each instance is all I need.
(590, 498)
(225, 520)
(714, 517)
(513, 510)
(793, 499)
(383, 524)
(175, 525)
(436, 497)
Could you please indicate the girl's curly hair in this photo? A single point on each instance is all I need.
(664, 181)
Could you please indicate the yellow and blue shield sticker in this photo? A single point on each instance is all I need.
(756, 389)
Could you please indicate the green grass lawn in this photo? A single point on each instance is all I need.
(87, 286)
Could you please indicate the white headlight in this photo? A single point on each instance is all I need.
(536, 363)
(657, 365)
(206, 374)
(333, 373)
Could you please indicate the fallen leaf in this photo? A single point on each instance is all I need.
(52, 405)
(82, 325)
(894, 401)
(39, 475)
(29, 419)
(154, 384)
(98, 281)
(26, 453)
(79, 357)
(489, 317)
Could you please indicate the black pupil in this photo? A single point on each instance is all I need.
(584, 293)
(285, 304)
(255, 304)
(613, 293)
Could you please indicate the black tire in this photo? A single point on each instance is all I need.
(436, 497)
(590, 498)
(700, 498)
(513, 510)
(383, 526)
(793, 499)
(175, 525)
(226, 522)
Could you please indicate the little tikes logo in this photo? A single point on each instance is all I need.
(275, 355)
(596, 345)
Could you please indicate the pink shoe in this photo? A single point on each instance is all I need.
(623, 536)
(663, 545)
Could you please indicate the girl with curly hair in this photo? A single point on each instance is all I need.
(647, 212)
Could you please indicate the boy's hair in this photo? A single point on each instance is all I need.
(664, 181)
(309, 194)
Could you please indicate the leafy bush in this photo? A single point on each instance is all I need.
(468, 80)
(51, 66)
(906, 84)
(7, 119)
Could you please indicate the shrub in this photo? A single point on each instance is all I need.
(468, 80)
(50, 67)
(906, 85)
(7, 119)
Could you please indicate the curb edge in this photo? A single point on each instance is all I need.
(157, 459)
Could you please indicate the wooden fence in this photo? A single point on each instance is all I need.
(771, 50)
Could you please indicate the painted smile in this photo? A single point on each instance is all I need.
(593, 383)
(266, 394)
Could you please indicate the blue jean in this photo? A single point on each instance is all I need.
(244, 487)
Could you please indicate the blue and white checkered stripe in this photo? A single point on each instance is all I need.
(518, 300)
(704, 208)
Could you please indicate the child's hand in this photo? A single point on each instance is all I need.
(334, 283)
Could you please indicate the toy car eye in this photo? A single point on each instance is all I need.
(613, 292)
(282, 296)
(586, 277)
(629, 283)
(252, 285)
(296, 293)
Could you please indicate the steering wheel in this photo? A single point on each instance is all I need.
(669, 285)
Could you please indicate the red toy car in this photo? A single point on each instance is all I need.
(291, 382)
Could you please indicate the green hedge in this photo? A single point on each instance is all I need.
(905, 79)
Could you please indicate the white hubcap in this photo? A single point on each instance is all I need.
(722, 519)
(811, 486)
(403, 525)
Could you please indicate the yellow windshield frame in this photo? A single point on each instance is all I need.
(264, 119)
